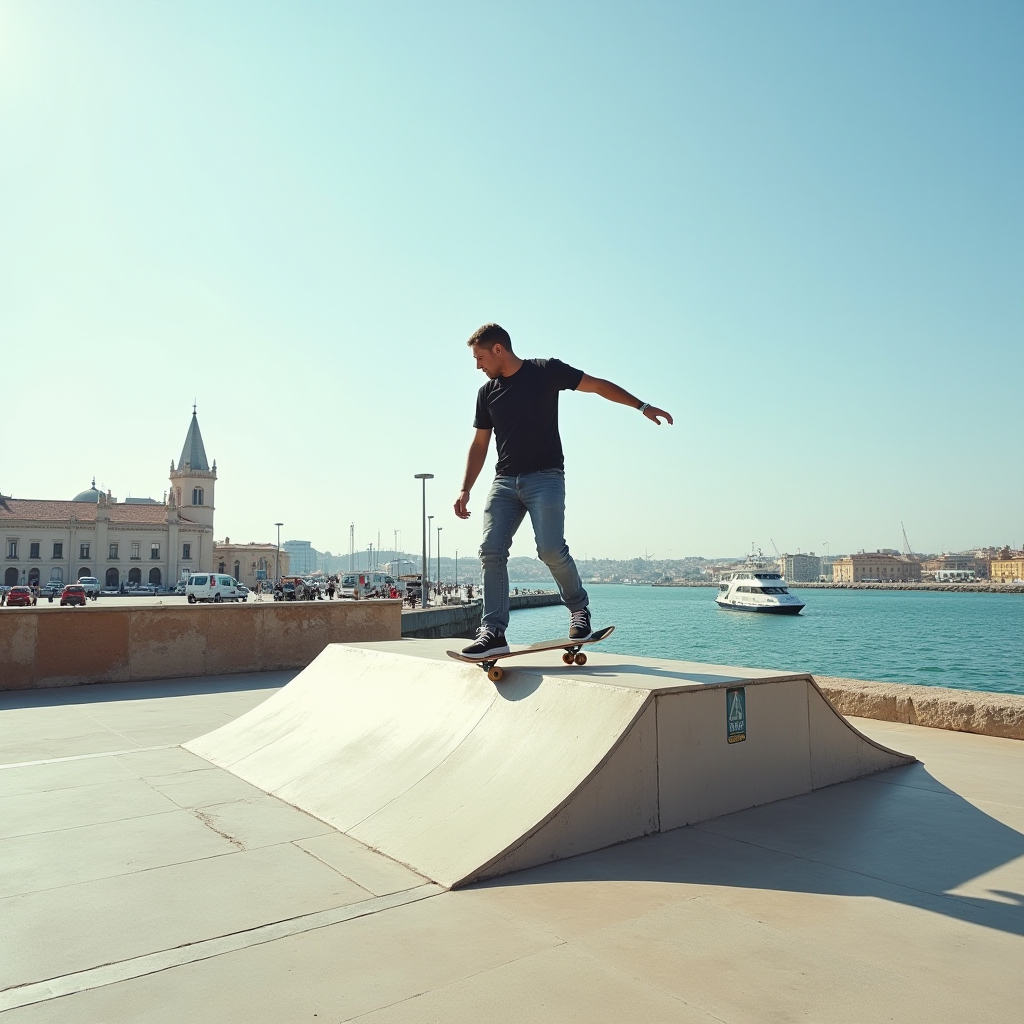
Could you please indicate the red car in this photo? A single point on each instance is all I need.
(73, 593)
(21, 597)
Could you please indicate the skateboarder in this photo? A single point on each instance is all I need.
(519, 403)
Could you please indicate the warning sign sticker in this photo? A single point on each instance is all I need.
(736, 715)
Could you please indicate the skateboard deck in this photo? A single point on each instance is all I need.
(572, 655)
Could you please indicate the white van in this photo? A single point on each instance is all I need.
(365, 584)
(212, 587)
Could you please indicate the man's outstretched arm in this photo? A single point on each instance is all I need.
(474, 463)
(606, 389)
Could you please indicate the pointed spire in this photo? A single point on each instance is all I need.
(193, 454)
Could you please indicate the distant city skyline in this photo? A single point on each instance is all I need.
(797, 227)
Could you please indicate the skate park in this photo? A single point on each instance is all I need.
(386, 835)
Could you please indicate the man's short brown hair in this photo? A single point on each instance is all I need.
(490, 335)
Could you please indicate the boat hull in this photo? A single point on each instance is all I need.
(779, 609)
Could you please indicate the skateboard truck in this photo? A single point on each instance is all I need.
(572, 656)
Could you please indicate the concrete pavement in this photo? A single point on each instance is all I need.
(141, 884)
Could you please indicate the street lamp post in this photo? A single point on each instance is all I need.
(423, 578)
(277, 558)
(430, 537)
(439, 529)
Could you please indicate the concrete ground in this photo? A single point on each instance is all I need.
(138, 883)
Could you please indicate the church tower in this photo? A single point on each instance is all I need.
(192, 482)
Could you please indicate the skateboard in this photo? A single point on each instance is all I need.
(572, 655)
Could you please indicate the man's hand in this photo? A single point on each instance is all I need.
(462, 505)
(652, 414)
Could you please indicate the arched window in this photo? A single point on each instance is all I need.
(33, 577)
(237, 574)
(83, 571)
(57, 574)
(154, 576)
(135, 575)
(113, 580)
(221, 567)
(197, 495)
(11, 577)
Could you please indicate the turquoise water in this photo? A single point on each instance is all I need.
(968, 641)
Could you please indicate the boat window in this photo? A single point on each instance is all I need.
(783, 590)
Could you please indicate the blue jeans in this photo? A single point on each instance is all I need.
(542, 494)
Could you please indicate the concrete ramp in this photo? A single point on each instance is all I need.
(428, 762)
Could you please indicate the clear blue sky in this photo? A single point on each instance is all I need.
(799, 226)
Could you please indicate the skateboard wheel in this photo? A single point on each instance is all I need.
(580, 659)
(567, 657)
(494, 673)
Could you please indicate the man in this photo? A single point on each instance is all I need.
(519, 404)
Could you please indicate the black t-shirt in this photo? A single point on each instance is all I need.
(523, 412)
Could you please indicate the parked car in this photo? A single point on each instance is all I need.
(20, 597)
(180, 589)
(91, 585)
(145, 588)
(73, 593)
(244, 591)
(52, 589)
(212, 587)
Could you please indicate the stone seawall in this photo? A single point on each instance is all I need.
(533, 600)
(989, 714)
(450, 620)
(957, 588)
(462, 620)
(68, 646)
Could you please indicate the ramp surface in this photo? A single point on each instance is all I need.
(428, 762)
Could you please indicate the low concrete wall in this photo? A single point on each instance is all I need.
(461, 620)
(989, 714)
(532, 600)
(451, 620)
(68, 646)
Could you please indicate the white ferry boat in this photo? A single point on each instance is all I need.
(757, 589)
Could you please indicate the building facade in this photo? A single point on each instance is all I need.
(801, 568)
(302, 555)
(246, 562)
(122, 544)
(1006, 570)
(959, 564)
(875, 568)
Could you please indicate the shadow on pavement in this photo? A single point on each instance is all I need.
(899, 836)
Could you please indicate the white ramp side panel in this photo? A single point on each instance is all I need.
(428, 762)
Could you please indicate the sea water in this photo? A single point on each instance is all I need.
(972, 641)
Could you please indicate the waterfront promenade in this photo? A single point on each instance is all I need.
(983, 587)
(143, 884)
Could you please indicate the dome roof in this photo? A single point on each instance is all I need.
(91, 495)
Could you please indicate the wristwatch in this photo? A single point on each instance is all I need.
(644, 406)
